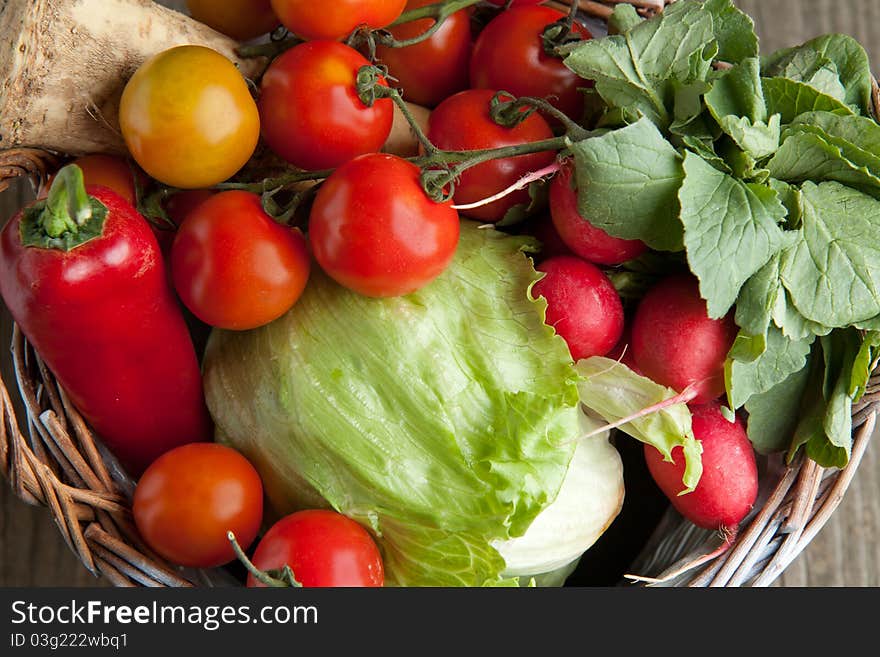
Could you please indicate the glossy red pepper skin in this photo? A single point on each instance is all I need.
(104, 319)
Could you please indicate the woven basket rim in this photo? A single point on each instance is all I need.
(58, 462)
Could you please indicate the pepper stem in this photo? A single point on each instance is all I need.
(67, 206)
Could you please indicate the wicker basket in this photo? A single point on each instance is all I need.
(51, 458)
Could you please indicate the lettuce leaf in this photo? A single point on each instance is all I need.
(444, 420)
(614, 392)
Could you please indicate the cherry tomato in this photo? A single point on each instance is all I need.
(435, 68)
(233, 266)
(310, 111)
(189, 498)
(509, 55)
(323, 549)
(582, 237)
(337, 19)
(188, 118)
(462, 122)
(239, 19)
(106, 170)
(374, 230)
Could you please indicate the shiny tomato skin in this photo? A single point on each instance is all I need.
(240, 19)
(435, 68)
(323, 548)
(189, 498)
(583, 238)
(374, 230)
(336, 19)
(188, 117)
(462, 122)
(509, 55)
(310, 111)
(233, 266)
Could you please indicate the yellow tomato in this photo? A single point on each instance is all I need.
(188, 118)
(239, 19)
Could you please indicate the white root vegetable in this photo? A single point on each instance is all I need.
(64, 64)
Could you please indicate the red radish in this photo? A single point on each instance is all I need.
(582, 305)
(676, 343)
(582, 237)
(729, 485)
(622, 351)
(551, 244)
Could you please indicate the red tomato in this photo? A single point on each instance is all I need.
(240, 19)
(310, 111)
(106, 170)
(337, 19)
(509, 55)
(235, 267)
(435, 68)
(582, 237)
(190, 497)
(375, 231)
(462, 122)
(322, 548)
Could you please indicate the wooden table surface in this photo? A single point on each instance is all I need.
(845, 553)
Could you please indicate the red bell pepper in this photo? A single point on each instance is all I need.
(82, 274)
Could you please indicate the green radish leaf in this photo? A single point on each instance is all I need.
(623, 19)
(773, 415)
(790, 99)
(857, 130)
(627, 182)
(734, 30)
(781, 358)
(738, 92)
(832, 272)
(863, 365)
(757, 298)
(814, 69)
(849, 58)
(731, 230)
(809, 155)
(635, 70)
(793, 324)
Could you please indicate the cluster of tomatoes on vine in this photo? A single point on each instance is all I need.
(242, 236)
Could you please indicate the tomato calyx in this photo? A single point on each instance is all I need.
(559, 34)
(508, 111)
(276, 578)
(67, 218)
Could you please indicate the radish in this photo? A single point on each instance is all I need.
(582, 237)
(728, 486)
(676, 343)
(582, 305)
(551, 243)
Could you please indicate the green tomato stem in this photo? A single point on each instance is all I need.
(286, 581)
(439, 11)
